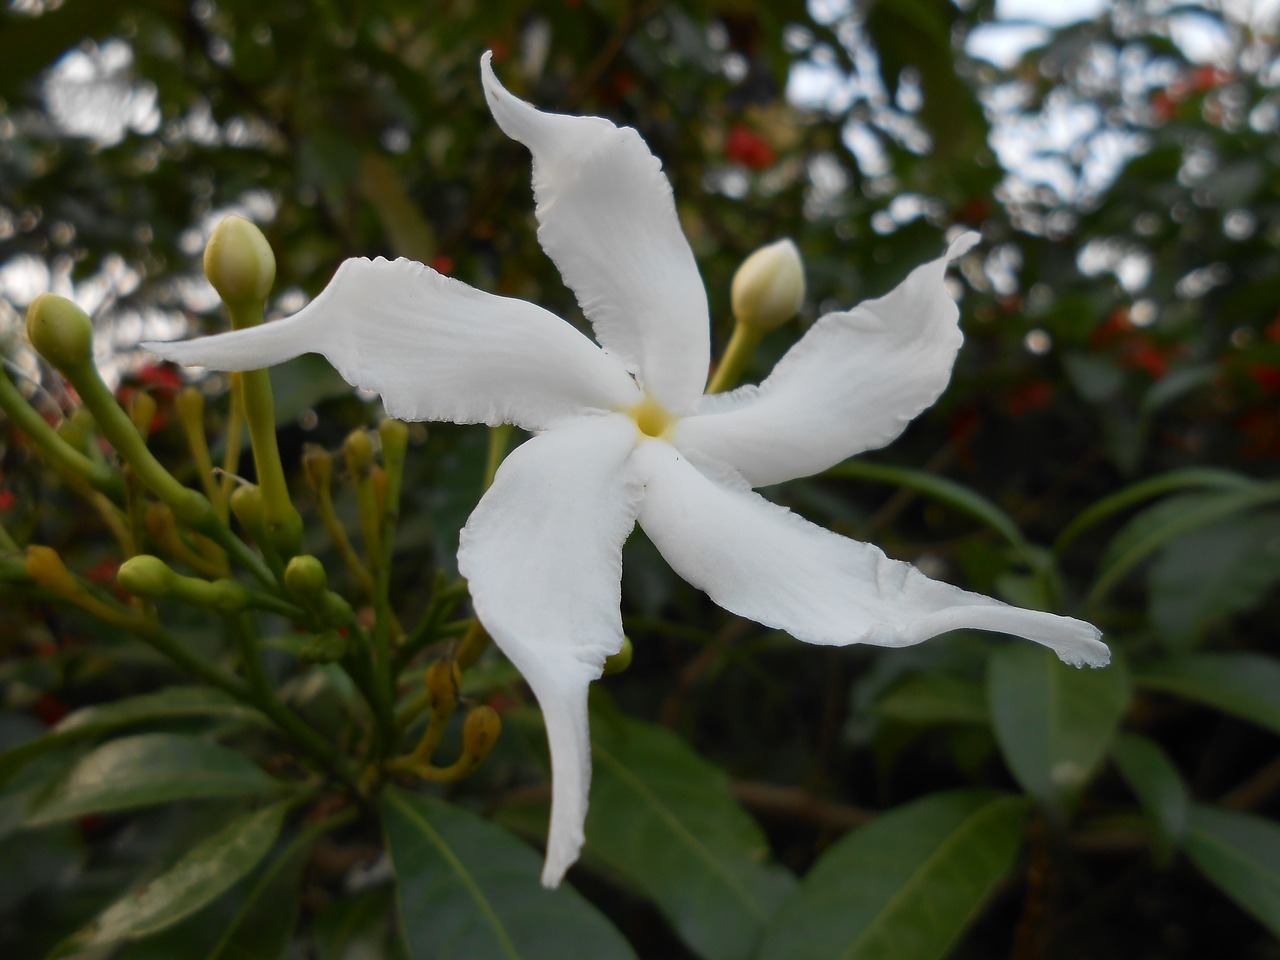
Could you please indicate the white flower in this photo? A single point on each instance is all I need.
(625, 433)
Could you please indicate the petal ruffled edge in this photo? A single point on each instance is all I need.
(761, 561)
(542, 553)
(608, 219)
(852, 383)
(433, 347)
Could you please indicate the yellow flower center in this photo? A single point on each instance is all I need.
(652, 419)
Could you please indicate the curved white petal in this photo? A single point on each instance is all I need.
(433, 347)
(852, 383)
(542, 553)
(608, 219)
(761, 561)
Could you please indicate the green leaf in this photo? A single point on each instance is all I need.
(928, 698)
(1053, 722)
(1244, 685)
(1156, 783)
(470, 890)
(1136, 493)
(163, 705)
(1240, 854)
(1212, 574)
(147, 769)
(1153, 529)
(904, 887)
(206, 871)
(664, 819)
(953, 494)
(359, 927)
(264, 920)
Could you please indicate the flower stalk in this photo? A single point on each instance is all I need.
(63, 335)
(241, 266)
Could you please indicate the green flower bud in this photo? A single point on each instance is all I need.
(395, 441)
(317, 464)
(443, 678)
(358, 448)
(60, 331)
(305, 577)
(479, 733)
(146, 576)
(239, 263)
(142, 411)
(250, 509)
(190, 405)
(618, 662)
(768, 288)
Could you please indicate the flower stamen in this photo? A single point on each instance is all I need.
(651, 417)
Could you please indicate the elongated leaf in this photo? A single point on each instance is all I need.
(253, 920)
(946, 491)
(359, 927)
(263, 922)
(1162, 524)
(663, 818)
(1240, 853)
(1212, 574)
(209, 869)
(147, 769)
(470, 890)
(904, 887)
(1053, 722)
(1156, 783)
(934, 698)
(1190, 478)
(1242, 684)
(163, 705)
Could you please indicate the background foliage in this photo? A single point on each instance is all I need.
(1108, 448)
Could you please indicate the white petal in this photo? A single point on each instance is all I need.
(543, 556)
(433, 347)
(852, 383)
(608, 220)
(761, 561)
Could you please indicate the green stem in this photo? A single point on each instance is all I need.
(284, 523)
(737, 355)
(499, 441)
(160, 640)
(443, 600)
(263, 696)
(26, 419)
(190, 506)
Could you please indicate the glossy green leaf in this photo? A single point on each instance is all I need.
(663, 819)
(253, 920)
(1240, 853)
(1156, 783)
(469, 890)
(205, 872)
(1212, 574)
(147, 769)
(1053, 722)
(1190, 478)
(1244, 685)
(359, 927)
(904, 887)
(928, 698)
(264, 920)
(97, 721)
(1153, 529)
(954, 495)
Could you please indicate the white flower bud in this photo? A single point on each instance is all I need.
(239, 263)
(769, 287)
